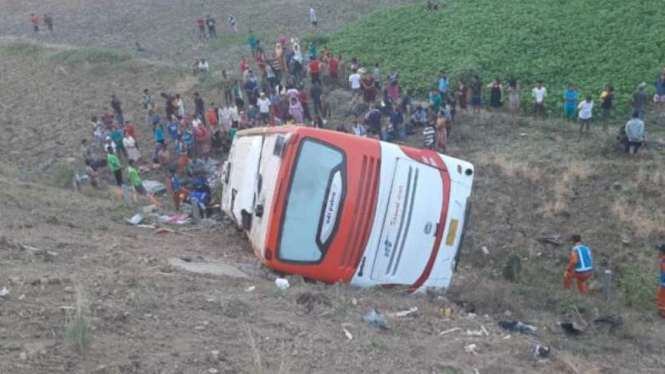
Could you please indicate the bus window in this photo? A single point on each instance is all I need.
(313, 203)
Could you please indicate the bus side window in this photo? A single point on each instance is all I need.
(279, 146)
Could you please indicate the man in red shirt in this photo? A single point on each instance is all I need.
(211, 116)
(35, 22)
(243, 64)
(315, 70)
(333, 68)
(202, 27)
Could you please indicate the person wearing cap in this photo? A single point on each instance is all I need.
(660, 298)
(580, 266)
(639, 101)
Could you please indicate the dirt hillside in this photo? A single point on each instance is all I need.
(533, 180)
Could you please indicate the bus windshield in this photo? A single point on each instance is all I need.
(313, 203)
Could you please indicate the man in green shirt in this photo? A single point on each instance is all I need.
(134, 179)
(114, 165)
(434, 101)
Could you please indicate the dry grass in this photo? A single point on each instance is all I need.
(79, 327)
(285, 365)
(512, 169)
(563, 187)
(645, 222)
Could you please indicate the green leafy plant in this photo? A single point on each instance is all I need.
(554, 41)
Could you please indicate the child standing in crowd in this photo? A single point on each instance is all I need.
(570, 102)
(585, 113)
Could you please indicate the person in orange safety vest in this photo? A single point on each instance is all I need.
(580, 266)
(661, 284)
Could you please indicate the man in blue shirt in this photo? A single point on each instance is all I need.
(570, 102)
(443, 85)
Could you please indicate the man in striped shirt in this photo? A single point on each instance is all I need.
(428, 135)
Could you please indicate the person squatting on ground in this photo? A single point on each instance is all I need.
(580, 266)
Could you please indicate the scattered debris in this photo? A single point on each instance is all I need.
(36, 251)
(354, 301)
(215, 355)
(348, 334)
(135, 220)
(446, 332)
(471, 348)
(403, 313)
(181, 219)
(212, 268)
(487, 333)
(376, 319)
(282, 284)
(517, 326)
(4, 292)
(554, 239)
(149, 209)
(485, 250)
(613, 320)
(250, 288)
(213, 371)
(540, 351)
(154, 187)
(474, 333)
(571, 328)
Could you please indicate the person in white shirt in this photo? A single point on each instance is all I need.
(354, 81)
(359, 130)
(264, 108)
(312, 18)
(223, 118)
(539, 94)
(203, 66)
(585, 113)
(180, 106)
(234, 116)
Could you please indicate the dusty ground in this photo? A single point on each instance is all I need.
(533, 180)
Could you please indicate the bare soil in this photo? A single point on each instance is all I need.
(533, 179)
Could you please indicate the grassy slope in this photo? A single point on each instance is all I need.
(591, 43)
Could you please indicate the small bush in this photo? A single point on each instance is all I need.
(63, 175)
(638, 283)
(79, 332)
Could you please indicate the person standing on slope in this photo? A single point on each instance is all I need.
(580, 266)
(570, 102)
(539, 94)
(661, 284)
(585, 113)
(606, 101)
(313, 19)
(34, 19)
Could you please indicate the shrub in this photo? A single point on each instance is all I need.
(63, 175)
(638, 283)
(79, 332)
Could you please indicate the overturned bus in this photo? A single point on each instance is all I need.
(341, 208)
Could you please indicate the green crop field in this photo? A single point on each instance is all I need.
(589, 42)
